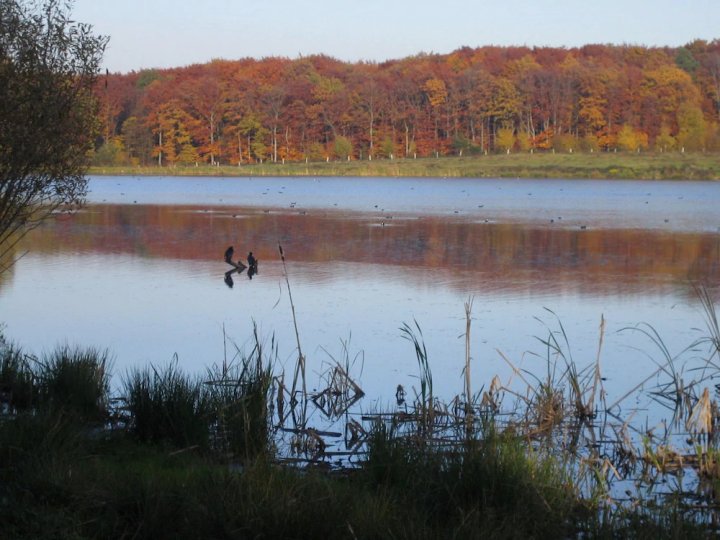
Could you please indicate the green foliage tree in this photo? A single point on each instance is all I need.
(146, 77)
(48, 123)
(137, 139)
(712, 137)
(342, 147)
(111, 153)
(462, 145)
(387, 148)
(253, 130)
(691, 123)
(685, 60)
(315, 152)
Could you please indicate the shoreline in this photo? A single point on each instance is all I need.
(593, 166)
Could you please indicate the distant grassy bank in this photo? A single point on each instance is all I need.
(599, 165)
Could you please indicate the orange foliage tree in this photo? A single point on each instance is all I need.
(596, 97)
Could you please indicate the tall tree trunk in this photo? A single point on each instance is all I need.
(274, 142)
(482, 134)
(274, 137)
(407, 139)
(372, 122)
(287, 141)
(212, 138)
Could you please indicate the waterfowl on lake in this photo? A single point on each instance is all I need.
(229, 254)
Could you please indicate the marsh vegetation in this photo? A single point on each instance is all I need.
(248, 449)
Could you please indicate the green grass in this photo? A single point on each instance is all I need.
(56, 482)
(599, 165)
(495, 484)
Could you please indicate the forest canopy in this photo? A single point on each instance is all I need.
(489, 99)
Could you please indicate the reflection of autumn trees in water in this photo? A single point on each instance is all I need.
(471, 251)
(8, 260)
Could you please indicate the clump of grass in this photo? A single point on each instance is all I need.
(76, 382)
(425, 401)
(167, 406)
(17, 389)
(340, 390)
(547, 408)
(239, 399)
(712, 338)
(474, 490)
(583, 385)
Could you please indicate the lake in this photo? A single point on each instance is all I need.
(140, 271)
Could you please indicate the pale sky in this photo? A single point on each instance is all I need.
(172, 33)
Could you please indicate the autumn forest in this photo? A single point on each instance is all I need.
(472, 101)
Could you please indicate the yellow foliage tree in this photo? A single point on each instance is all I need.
(665, 141)
(504, 139)
(631, 139)
(436, 91)
(691, 127)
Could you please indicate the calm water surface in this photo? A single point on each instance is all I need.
(140, 271)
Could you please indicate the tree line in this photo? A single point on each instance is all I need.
(473, 100)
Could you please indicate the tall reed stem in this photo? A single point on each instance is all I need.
(468, 391)
(468, 322)
(300, 365)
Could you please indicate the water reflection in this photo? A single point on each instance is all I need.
(240, 268)
(511, 257)
(151, 281)
(228, 278)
